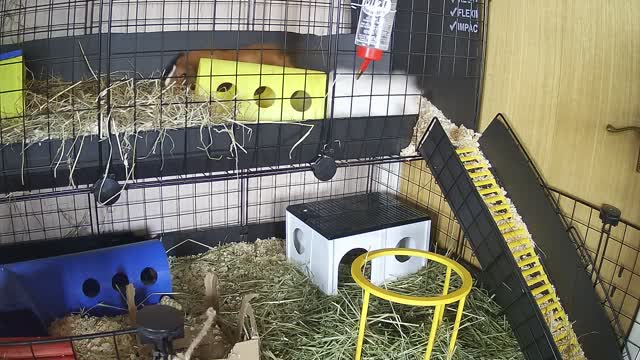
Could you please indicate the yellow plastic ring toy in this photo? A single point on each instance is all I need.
(439, 302)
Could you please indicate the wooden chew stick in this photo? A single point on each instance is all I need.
(131, 304)
(211, 292)
(247, 310)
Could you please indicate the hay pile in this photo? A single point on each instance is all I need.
(62, 110)
(460, 136)
(296, 321)
(58, 109)
(99, 348)
(124, 108)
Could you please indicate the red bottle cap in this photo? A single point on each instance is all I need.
(367, 54)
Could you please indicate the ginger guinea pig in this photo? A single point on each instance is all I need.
(185, 68)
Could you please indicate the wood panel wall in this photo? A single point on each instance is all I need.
(560, 71)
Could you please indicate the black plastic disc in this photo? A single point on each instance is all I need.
(107, 193)
(324, 168)
(160, 325)
(160, 319)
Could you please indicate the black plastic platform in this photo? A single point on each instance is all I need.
(501, 272)
(269, 145)
(556, 249)
(353, 215)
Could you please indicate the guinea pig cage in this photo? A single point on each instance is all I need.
(153, 155)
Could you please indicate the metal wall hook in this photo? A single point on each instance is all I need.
(613, 129)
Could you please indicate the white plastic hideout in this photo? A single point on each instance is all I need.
(320, 234)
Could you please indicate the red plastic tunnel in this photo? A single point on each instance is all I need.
(50, 351)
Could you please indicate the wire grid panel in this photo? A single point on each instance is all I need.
(416, 184)
(260, 199)
(269, 196)
(318, 17)
(620, 269)
(46, 217)
(25, 20)
(156, 210)
(105, 143)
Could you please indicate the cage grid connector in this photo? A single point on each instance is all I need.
(439, 302)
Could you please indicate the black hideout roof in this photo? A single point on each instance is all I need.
(353, 215)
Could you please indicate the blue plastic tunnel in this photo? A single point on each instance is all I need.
(91, 281)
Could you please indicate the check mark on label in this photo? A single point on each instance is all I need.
(453, 26)
(453, 12)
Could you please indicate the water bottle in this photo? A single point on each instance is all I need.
(374, 30)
